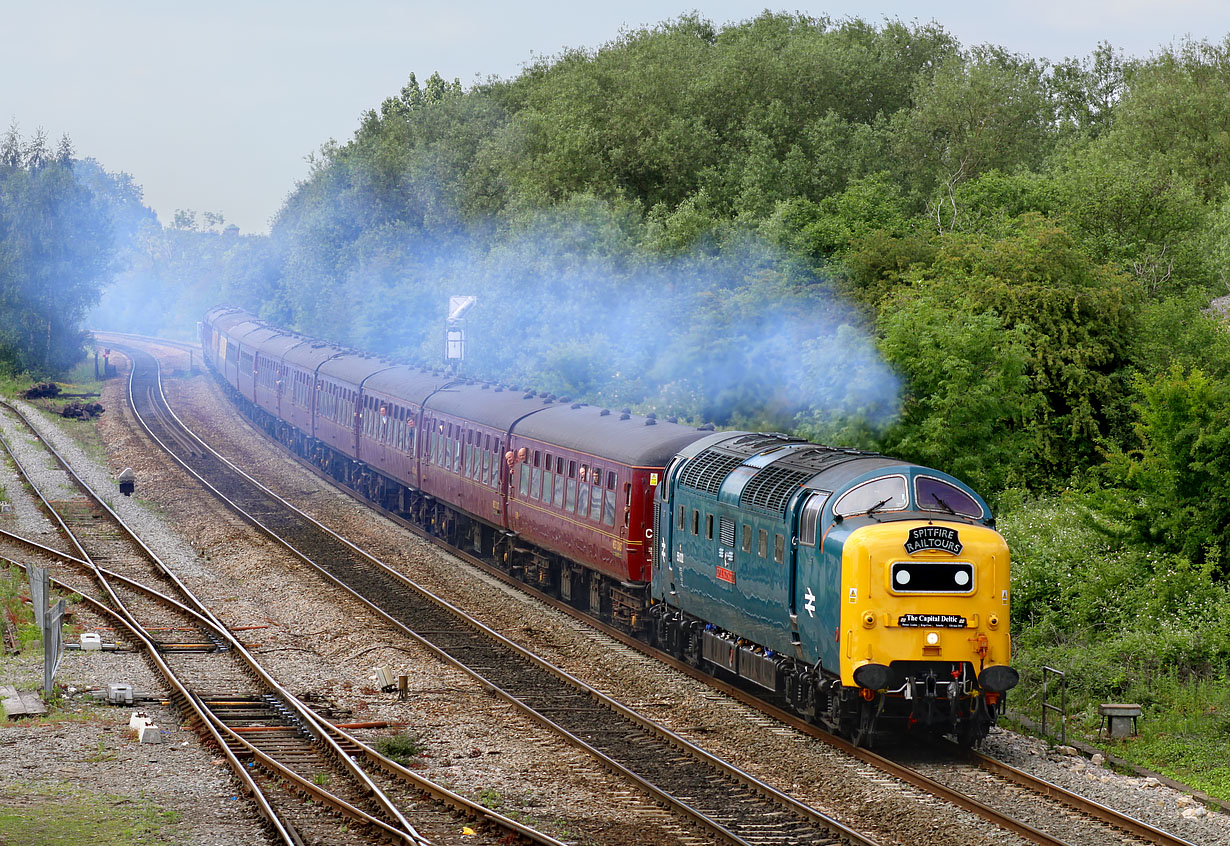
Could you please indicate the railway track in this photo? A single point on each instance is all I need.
(1063, 817)
(726, 803)
(304, 773)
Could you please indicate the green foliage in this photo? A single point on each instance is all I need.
(1018, 341)
(403, 747)
(970, 405)
(1175, 116)
(55, 246)
(1178, 476)
(38, 814)
(985, 110)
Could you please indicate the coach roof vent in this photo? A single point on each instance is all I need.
(576, 405)
(623, 415)
(649, 421)
(606, 412)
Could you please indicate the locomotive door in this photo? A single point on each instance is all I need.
(663, 540)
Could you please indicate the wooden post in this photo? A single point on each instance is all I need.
(403, 687)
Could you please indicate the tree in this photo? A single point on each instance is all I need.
(56, 243)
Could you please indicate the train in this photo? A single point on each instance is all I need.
(868, 594)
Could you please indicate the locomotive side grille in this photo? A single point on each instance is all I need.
(708, 470)
(726, 532)
(770, 489)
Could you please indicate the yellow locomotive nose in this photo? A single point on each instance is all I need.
(915, 611)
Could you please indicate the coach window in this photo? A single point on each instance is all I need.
(747, 538)
(559, 464)
(570, 495)
(559, 484)
(610, 480)
(583, 500)
(548, 483)
(779, 549)
(496, 458)
(458, 454)
(525, 480)
(762, 544)
(486, 467)
(595, 502)
(695, 522)
(608, 508)
(536, 484)
(708, 527)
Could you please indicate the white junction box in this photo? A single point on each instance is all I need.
(91, 641)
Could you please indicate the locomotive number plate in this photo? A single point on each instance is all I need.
(943, 621)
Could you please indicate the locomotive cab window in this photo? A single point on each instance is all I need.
(887, 493)
(708, 527)
(779, 548)
(747, 538)
(931, 494)
(762, 544)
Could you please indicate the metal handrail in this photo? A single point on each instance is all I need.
(1062, 708)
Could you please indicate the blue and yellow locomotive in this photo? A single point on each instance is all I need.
(868, 593)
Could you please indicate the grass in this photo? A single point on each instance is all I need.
(57, 813)
(403, 747)
(79, 380)
(1127, 623)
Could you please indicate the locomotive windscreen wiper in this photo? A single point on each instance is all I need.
(944, 505)
(867, 513)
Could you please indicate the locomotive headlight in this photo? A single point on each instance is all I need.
(933, 638)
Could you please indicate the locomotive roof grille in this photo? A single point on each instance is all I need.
(771, 488)
(822, 458)
(708, 470)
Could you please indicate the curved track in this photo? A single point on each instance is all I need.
(952, 777)
(302, 771)
(732, 806)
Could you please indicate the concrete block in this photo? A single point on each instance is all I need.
(150, 734)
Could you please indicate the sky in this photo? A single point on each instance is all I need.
(216, 106)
